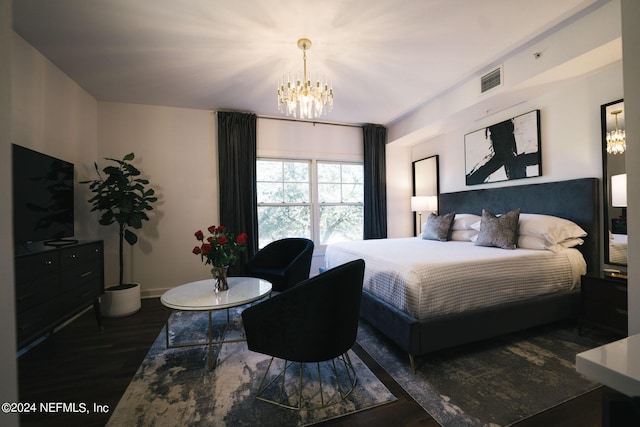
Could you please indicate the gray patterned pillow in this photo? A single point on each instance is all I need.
(437, 227)
(500, 231)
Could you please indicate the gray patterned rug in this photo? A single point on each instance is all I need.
(173, 387)
(492, 383)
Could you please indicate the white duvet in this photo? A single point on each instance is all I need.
(427, 278)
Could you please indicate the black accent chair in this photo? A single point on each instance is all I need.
(284, 263)
(315, 321)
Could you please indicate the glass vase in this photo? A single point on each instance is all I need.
(220, 278)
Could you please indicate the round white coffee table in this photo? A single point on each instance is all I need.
(200, 296)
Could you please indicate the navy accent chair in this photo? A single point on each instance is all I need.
(315, 321)
(284, 263)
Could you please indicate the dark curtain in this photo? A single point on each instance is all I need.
(237, 179)
(375, 182)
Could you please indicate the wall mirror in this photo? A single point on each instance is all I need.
(614, 182)
(426, 188)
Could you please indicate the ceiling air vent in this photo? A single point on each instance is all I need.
(490, 80)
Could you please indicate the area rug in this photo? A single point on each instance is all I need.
(497, 382)
(173, 387)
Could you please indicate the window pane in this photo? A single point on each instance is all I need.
(269, 192)
(329, 193)
(352, 173)
(339, 223)
(296, 193)
(296, 172)
(267, 170)
(352, 193)
(278, 222)
(328, 172)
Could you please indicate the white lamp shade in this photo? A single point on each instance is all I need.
(424, 203)
(619, 191)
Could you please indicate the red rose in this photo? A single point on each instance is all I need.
(222, 240)
(206, 248)
(197, 250)
(212, 229)
(220, 229)
(199, 235)
(241, 239)
(210, 239)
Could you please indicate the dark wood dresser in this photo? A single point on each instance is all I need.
(604, 302)
(52, 284)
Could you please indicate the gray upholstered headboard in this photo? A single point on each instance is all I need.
(577, 200)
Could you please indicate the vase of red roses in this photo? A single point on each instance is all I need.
(220, 250)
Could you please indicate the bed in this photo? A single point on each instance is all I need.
(413, 321)
(618, 249)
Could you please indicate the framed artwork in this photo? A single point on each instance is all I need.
(504, 151)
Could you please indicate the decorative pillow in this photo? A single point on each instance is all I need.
(499, 231)
(550, 228)
(464, 221)
(437, 227)
(463, 235)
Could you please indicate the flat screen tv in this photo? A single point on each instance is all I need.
(42, 198)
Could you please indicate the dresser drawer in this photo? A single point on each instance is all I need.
(83, 295)
(606, 292)
(34, 292)
(37, 320)
(55, 283)
(76, 276)
(80, 254)
(604, 302)
(35, 266)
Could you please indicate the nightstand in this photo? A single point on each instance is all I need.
(604, 302)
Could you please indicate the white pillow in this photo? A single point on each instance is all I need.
(464, 221)
(550, 228)
(463, 235)
(531, 242)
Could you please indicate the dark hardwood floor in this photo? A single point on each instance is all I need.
(79, 364)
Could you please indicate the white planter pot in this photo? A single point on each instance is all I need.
(120, 302)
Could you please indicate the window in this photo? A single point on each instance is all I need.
(322, 201)
(340, 197)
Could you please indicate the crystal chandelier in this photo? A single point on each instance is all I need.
(616, 141)
(301, 97)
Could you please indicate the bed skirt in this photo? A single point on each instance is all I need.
(422, 337)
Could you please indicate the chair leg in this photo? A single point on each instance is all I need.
(340, 375)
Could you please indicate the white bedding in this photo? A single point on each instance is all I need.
(618, 249)
(427, 278)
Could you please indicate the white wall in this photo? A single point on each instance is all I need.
(631, 51)
(176, 150)
(55, 116)
(306, 140)
(8, 365)
(569, 127)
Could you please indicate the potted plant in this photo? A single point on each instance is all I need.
(123, 198)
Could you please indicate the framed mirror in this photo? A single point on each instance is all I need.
(614, 182)
(426, 188)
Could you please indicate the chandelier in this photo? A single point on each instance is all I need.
(616, 141)
(301, 97)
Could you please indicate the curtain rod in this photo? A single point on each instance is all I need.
(313, 122)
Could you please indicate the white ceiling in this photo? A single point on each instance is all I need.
(385, 58)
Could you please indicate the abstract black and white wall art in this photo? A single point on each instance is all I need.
(504, 151)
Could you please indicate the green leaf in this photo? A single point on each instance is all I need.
(129, 157)
(130, 237)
